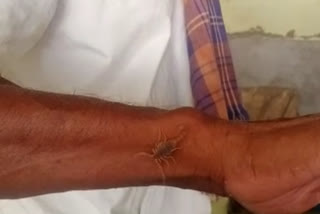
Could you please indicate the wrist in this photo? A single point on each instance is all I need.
(202, 154)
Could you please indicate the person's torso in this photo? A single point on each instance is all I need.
(126, 51)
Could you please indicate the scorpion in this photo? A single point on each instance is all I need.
(163, 150)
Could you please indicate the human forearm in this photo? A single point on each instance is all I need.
(52, 143)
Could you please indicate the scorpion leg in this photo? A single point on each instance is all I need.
(158, 161)
(145, 154)
(173, 160)
(165, 160)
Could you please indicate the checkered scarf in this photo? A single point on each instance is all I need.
(213, 79)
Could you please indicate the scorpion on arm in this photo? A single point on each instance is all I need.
(164, 150)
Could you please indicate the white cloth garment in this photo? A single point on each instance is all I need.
(130, 51)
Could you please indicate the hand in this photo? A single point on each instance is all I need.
(276, 169)
(268, 167)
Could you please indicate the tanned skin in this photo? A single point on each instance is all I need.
(53, 143)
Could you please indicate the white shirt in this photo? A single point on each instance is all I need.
(130, 51)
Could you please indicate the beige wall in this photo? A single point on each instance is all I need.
(266, 56)
(274, 16)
